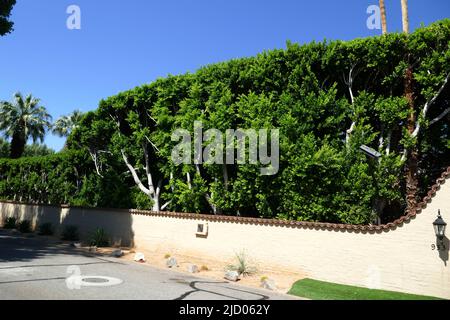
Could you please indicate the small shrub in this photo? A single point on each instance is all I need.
(10, 223)
(242, 265)
(46, 229)
(99, 238)
(70, 233)
(24, 226)
(264, 278)
(204, 268)
(167, 256)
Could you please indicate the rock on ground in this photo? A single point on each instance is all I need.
(269, 284)
(139, 257)
(232, 276)
(117, 253)
(171, 262)
(192, 268)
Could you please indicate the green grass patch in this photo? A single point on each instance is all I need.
(320, 290)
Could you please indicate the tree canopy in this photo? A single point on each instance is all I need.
(326, 98)
(6, 25)
(22, 119)
(66, 124)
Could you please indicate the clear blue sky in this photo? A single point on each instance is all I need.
(123, 44)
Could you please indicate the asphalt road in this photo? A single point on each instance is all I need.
(38, 268)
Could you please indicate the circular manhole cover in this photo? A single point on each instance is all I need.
(95, 280)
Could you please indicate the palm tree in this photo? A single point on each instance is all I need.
(66, 124)
(405, 18)
(383, 17)
(412, 180)
(22, 119)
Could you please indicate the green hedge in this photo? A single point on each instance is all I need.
(303, 91)
(63, 178)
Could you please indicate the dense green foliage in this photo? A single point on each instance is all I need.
(120, 155)
(4, 148)
(37, 150)
(6, 25)
(31, 150)
(320, 290)
(65, 177)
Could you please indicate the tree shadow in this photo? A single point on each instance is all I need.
(117, 224)
(17, 247)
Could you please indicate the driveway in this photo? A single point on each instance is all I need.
(38, 268)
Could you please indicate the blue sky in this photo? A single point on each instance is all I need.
(123, 44)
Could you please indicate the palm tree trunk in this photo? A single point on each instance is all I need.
(17, 145)
(405, 18)
(412, 180)
(18, 140)
(383, 17)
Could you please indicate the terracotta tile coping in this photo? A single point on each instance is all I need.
(274, 222)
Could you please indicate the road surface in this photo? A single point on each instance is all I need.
(34, 267)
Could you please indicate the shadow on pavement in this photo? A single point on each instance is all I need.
(25, 248)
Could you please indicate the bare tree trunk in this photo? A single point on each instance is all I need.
(225, 176)
(209, 198)
(349, 82)
(156, 207)
(412, 180)
(383, 17)
(405, 18)
(412, 159)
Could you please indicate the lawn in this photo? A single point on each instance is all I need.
(319, 290)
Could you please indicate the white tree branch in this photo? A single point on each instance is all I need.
(135, 176)
(428, 104)
(389, 138)
(158, 187)
(349, 83)
(207, 196)
(188, 180)
(147, 170)
(164, 206)
(439, 117)
(153, 145)
(94, 157)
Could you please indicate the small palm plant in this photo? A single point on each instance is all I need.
(10, 223)
(24, 226)
(99, 238)
(242, 265)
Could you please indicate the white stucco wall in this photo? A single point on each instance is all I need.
(401, 259)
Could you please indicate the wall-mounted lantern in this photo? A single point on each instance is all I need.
(439, 226)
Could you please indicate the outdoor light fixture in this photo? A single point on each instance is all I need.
(439, 226)
(370, 152)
